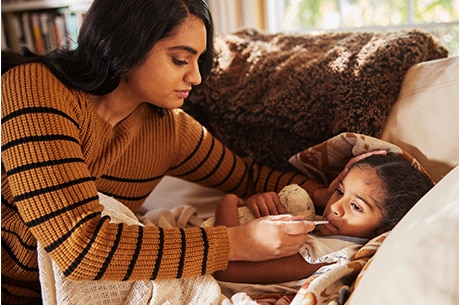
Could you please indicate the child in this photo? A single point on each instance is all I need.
(371, 199)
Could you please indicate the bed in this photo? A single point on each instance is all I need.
(273, 95)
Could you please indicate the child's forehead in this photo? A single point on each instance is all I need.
(364, 172)
(365, 182)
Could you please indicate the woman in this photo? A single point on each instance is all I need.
(103, 118)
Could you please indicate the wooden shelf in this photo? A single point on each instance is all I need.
(44, 4)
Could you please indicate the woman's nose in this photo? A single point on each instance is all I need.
(193, 76)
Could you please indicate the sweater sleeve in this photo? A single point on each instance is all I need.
(212, 164)
(56, 196)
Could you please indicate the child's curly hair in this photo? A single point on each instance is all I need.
(404, 185)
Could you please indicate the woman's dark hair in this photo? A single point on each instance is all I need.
(115, 37)
(404, 185)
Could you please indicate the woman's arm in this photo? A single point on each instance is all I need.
(284, 269)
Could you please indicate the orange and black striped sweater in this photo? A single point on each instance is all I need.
(57, 153)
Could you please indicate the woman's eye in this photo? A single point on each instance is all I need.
(178, 62)
(356, 207)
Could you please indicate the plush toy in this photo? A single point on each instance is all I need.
(295, 200)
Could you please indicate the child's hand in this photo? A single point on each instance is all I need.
(264, 204)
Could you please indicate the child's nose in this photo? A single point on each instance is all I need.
(337, 208)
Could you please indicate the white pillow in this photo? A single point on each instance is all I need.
(425, 119)
(418, 263)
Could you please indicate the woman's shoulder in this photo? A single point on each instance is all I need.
(26, 69)
(33, 76)
(35, 85)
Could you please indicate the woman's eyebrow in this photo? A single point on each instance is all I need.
(185, 48)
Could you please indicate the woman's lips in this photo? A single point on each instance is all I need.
(183, 93)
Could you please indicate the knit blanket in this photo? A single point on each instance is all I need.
(59, 290)
(271, 95)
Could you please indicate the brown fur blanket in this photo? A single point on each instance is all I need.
(271, 95)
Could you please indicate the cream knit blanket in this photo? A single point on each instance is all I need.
(59, 290)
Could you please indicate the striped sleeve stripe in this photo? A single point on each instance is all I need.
(109, 258)
(15, 259)
(9, 205)
(246, 169)
(222, 157)
(135, 256)
(64, 237)
(206, 251)
(58, 212)
(25, 291)
(127, 198)
(51, 189)
(277, 185)
(204, 160)
(130, 180)
(201, 139)
(36, 165)
(23, 244)
(5, 291)
(85, 251)
(265, 187)
(230, 173)
(35, 110)
(182, 254)
(291, 179)
(160, 254)
(42, 138)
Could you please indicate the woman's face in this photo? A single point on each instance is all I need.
(354, 208)
(171, 68)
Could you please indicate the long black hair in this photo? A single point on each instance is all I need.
(404, 185)
(116, 36)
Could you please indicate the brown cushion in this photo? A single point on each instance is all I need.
(272, 95)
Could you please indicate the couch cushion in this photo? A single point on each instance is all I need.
(425, 119)
(272, 95)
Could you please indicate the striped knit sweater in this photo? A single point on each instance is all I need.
(57, 153)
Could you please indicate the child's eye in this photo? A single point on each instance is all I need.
(339, 192)
(178, 62)
(356, 208)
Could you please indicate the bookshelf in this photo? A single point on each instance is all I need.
(42, 25)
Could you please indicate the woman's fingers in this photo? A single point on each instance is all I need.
(267, 238)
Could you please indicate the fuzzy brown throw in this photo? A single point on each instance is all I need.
(272, 95)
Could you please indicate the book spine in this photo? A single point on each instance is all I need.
(40, 47)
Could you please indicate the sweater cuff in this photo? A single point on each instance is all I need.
(219, 248)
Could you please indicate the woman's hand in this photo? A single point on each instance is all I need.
(264, 204)
(268, 238)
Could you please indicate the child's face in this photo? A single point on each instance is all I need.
(354, 208)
